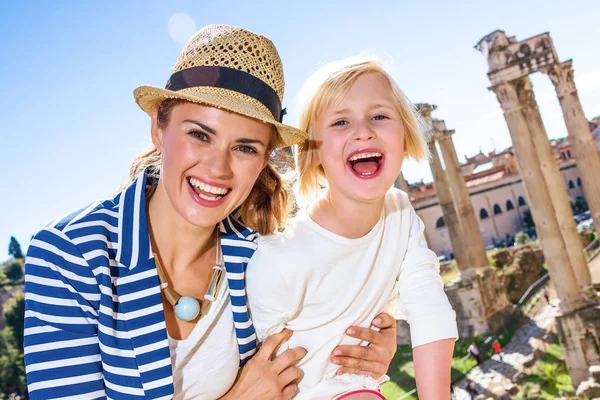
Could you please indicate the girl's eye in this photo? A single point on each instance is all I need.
(247, 149)
(340, 123)
(200, 135)
(379, 117)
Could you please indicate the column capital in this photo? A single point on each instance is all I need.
(507, 95)
(561, 76)
(425, 109)
(445, 135)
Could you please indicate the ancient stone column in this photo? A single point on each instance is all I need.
(471, 235)
(447, 205)
(538, 194)
(401, 184)
(588, 160)
(555, 185)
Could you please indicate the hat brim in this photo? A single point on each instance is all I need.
(149, 97)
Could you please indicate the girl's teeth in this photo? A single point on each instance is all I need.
(364, 155)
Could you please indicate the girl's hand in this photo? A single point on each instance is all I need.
(373, 360)
(268, 378)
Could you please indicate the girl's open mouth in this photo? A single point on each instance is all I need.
(366, 164)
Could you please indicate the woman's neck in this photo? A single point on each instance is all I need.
(345, 217)
(178, 244)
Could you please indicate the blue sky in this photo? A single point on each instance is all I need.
(70, 127)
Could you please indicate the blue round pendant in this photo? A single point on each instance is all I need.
(187, 308)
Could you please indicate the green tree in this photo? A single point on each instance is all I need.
(521, 238)
(14, 270)
(14, 248)
(14, 314)
(12, 366)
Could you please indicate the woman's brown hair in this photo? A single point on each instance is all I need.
(267, 206)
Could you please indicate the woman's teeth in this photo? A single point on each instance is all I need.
(206, 191)
(364, 155)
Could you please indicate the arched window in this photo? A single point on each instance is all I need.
(578, 181)
(571, 184)
(440, 223)
(509, 205)
(497, 209)
(483, 214)
(521, 201)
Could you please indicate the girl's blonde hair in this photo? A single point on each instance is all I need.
(326, 88)
(267, 206)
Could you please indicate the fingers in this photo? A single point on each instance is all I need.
(372, 367)
(271, 344)
(366, 353)
(287, 358)
(366, 334)
(289, 391)
(384, 321)
(290, 376)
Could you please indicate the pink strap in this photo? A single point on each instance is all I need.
(348, 395)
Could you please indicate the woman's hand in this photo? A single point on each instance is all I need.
(268, 378)
(373, 360)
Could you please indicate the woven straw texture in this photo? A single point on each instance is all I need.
(232, 47)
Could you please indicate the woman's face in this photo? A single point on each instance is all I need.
(211, 160)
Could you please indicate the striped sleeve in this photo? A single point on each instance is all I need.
(62, 354)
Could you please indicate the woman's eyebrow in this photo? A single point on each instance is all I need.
(201, 125)
(250, 141)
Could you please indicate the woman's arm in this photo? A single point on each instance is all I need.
(62, 354)
(268, 378)
(432, 369)
(373, 360)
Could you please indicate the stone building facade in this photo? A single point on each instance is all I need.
(497, 193)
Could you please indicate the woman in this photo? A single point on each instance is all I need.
(111, 290)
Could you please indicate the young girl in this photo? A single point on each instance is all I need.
(358, 247)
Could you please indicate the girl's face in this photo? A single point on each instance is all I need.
(211, 160)
(360, 141)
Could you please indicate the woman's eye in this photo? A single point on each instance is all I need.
(199, 135)
(247, 150)
(340, 123)
(379, 117)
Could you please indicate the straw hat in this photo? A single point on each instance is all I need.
(230, 68)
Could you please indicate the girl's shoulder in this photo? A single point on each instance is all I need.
(397, 200)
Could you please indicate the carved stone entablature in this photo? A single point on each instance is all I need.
(509, 59)
(562, 78)
(507, 96)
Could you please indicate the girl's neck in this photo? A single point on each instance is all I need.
(345, 217)
(179, 244)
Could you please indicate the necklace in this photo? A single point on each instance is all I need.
(187, 308)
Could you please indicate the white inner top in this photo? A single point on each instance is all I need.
(318, 284)
(206, 364)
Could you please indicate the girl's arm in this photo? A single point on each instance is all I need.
(432, 369)
(62, 296)
(373, 360)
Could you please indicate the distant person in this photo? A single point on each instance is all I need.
(497, 349)
(471, 389)
(474, 352)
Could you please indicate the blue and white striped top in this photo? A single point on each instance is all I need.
(94, 322)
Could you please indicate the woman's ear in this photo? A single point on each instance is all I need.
(156, 131)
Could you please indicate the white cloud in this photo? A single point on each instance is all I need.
(181, 27)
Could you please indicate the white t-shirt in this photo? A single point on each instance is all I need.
(206, 364)
(318, 284)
